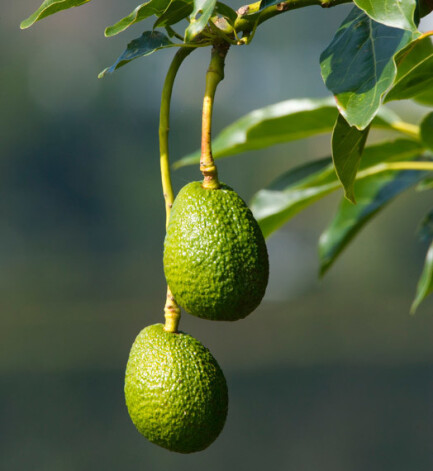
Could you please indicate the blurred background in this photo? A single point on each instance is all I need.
(332, 375)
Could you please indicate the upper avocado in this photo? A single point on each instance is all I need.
(215, 257)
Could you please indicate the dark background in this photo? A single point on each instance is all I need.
(332, 375)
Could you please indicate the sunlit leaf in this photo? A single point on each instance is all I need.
(282, 122)
(414, 70)
(358, 65)
(49, 7)
(299, 187)
(425, 283)
(394, 13)
(203, 10)
(373, 194)
(347, 147)
(143, 11)
(146, 44)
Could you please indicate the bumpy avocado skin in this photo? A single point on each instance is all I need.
(215, 256)
(175, 391)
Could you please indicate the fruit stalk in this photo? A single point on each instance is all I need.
(164, 127)
(214, 76)
(171, 309)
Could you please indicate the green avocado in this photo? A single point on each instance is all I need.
(175, 391)
(215, 256)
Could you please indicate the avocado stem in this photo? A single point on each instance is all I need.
(171, 309)
(214, 76)
(164, 127)
(171, 313)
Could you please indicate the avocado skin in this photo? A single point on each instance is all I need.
(175, 391)
(215, 256)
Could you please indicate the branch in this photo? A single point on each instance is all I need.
(249, 15)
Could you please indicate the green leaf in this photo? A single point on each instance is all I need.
(303, 185)
(426, 130)
(347, 147)
(425, 231)
(358, 65)
(203, 10)
(143, 11)
(425, 283)
(425, 185)
(414, 70)
(282, 122)
(175, 12)
(394, 13)
(49, 7)
(425, 97)
(226, 11)
(374, 193)
(147, 43)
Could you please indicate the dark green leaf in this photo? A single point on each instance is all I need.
(394, 13)
(358, 65)
(347, 147)
(303, 185)
(425, 230)
(203, 10)
(49, 7)
(146, 44)
(374, 193)
(425, 7)
(175, 12)
(143, 11)
(425, 283)
(414, 70)
(426, 130)
(282, 122)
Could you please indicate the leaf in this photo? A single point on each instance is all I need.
(282, 122)
(347, 147)
(175, 12)
(147, 43)
(425, 97)
(226, 11)
(49, 7)
(425, 231)
(414, 70)
(374, 193)
(425, 283)
(291, 193)
(143, 11)
(426, 130)
(425, 7)
(299, 187)
(358, 65)
(203, 10)
(394, 13)
(425, 185)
